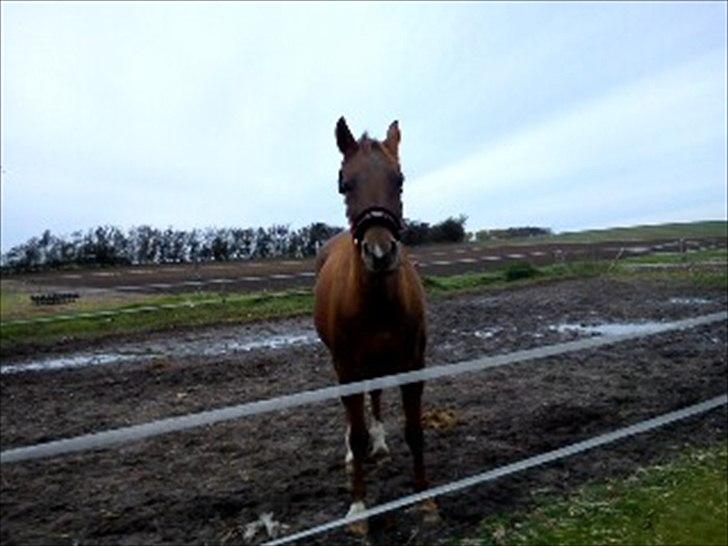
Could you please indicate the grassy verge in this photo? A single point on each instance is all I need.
(676, 257)
(516, 274)
(188, 310)
(206, 308)
(699, 277)
(688, 230)
(15, 302)
(684, 502)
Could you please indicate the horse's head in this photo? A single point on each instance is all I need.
(371, 182)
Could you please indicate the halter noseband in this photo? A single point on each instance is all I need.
(375, 216)
(372, 216)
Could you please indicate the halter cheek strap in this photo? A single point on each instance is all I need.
(375, 216)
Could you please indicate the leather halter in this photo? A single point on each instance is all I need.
(372, 216)
(375, 216)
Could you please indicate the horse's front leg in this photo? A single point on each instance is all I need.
(358, 439)
(412, 403)
(379, 447)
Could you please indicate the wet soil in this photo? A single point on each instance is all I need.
(204, 486)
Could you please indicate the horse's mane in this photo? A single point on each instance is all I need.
(368, 144)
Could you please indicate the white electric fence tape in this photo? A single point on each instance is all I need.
(512, 468)
(173, 424)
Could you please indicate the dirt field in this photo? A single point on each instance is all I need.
(205, 486)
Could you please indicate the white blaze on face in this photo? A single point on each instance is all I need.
(377, 251)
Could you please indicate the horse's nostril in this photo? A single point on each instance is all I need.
(393, 247)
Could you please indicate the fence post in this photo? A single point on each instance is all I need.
(616, 259)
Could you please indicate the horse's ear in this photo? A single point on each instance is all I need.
(344, 139)
(393, 138)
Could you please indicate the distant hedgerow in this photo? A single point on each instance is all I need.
(111, 246)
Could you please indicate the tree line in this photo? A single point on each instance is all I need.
(511, 233)
(111, 245)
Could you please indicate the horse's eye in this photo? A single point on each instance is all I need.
(344, 185)
(399, 180)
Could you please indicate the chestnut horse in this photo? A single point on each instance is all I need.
(370, 304)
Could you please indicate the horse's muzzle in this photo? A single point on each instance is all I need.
(379, 250)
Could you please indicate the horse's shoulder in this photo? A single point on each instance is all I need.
(335, 244)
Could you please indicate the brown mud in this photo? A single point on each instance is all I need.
(205, 485)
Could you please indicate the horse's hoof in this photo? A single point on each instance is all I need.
(383, 460)
(361, 527)
(379, 453)
(430, 512)
(358, 528)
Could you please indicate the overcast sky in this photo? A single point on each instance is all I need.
(563, 115)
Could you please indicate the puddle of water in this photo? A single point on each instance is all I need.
(76, 361)
(689, 301)
(272, 342)
(610, 329)
(191, 347)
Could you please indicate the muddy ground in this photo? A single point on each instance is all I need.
(204, 486)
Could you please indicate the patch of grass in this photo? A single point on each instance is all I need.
(11, 301)
(709, 228)
(15, 302)
(520, 270)
(516, 273)
(710, 279)
(684, 502)
(193, 310)
(459, 283)
(697, 256)
(699, 271)
(569, 270)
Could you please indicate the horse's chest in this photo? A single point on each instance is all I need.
(383, 342)
(373, 334)
(380, 332)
